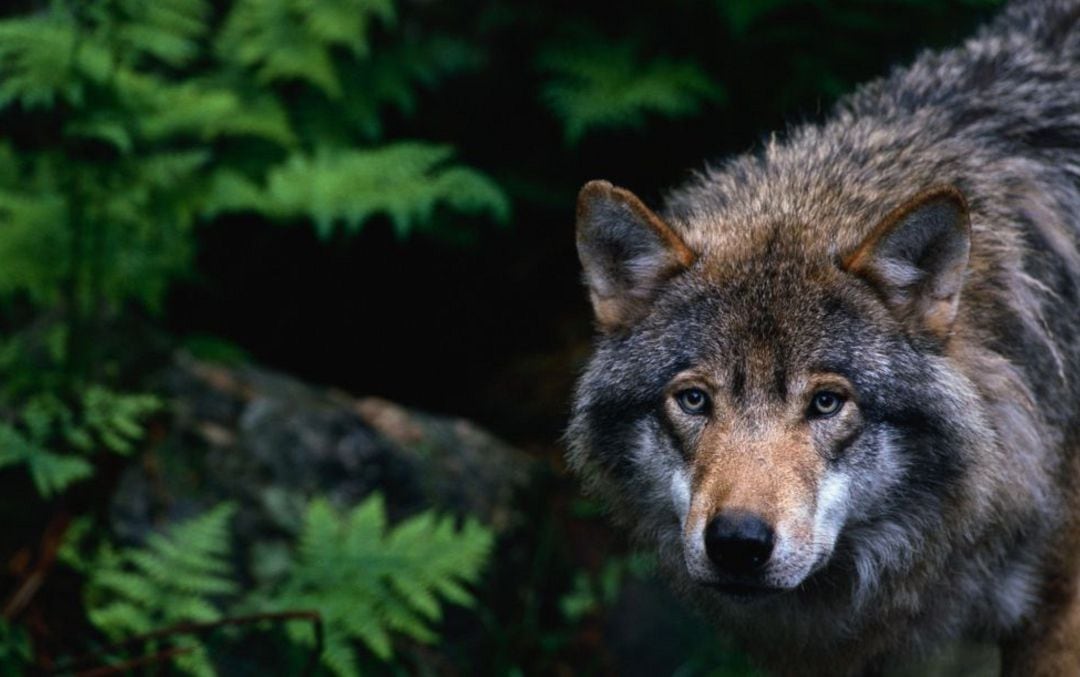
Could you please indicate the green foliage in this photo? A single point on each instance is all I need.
(405, 181)
(368, 580)
(173, 578)
(15, 652)
(166, 114)
(115, 418)
(31, 243)
(50, 472)
(373, 84)
(103, 420)
(35, 60)
(595, 85)
(107, 229)
(589, 593)
(293, 39)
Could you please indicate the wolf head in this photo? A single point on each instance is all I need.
(764, 406)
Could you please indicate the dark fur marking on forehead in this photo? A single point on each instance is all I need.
(780, 385)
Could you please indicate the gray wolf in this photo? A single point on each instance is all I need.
(836, 382)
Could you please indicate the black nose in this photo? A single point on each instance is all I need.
(738, 543)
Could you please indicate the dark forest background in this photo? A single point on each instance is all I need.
(290, 313)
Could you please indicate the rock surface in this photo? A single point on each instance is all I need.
(270, 442)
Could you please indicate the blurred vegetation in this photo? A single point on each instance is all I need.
(137, 136)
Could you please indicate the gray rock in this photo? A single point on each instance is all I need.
(270, 442)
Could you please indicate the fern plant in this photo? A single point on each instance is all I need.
(160, 116)
(595, 84)
(102, 419)
(181, 576)
(366, 579)
(404, 180)
(369, 580)
(120, 222)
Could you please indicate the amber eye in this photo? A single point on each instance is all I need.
(693, 401)
(825, 404)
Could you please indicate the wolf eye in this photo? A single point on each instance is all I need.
(825, 404)
(693, 401)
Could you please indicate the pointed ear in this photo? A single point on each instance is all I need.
(917, 258)
(627, 252)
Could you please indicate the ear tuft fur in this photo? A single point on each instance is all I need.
(917, 258)
(627, 252)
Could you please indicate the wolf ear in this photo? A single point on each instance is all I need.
(917, 258)
(627, 251)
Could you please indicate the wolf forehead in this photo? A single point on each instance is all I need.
(753, 325)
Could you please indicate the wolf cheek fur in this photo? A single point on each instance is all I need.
(837, 383)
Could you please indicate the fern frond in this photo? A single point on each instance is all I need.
(116, 418)
(405, 181)
(390, 78)
(34, 238)
(188, 108)
(168, 30)
(292, 39)
(202, 109)
(36, 57)
(339, 657)
(196, 662)
(102, 128)
(599, 85)
(344, 23)
(120, 618)
(368, 580)
(174, 577)
(50, 472)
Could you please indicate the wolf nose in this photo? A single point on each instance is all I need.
(738, 543)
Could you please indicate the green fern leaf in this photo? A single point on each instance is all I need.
(339, 657)
(405, 181)
(189, 108)
(50, 472)
(595, 85)
(130, 585)
(36, 60)
(291, 39)
(33, 228)
(120, 618)
(116, 418)
(167, 30)
(102, 128)
(369, 580)
(173, 578)
(197, 661)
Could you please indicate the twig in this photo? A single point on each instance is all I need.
(32, 581)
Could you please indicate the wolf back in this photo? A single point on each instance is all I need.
(836, 382)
